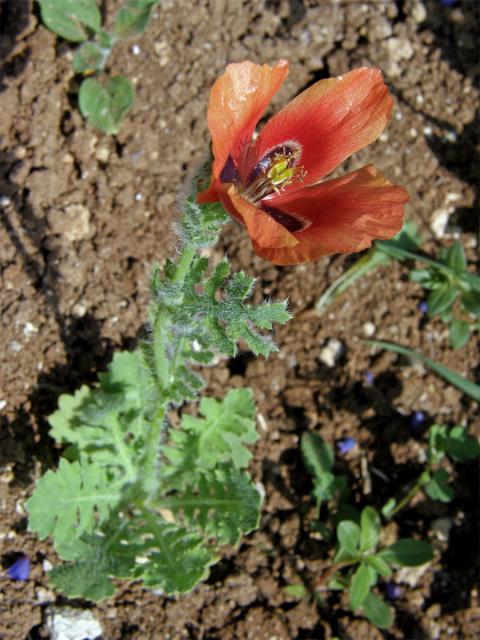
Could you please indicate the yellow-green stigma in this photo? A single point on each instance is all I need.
(277, 169)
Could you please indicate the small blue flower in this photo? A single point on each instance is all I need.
(345, 445)
(20, 569)
(369, 377)
(423, 306)
(448, 3)
(393, 590)
(417, 419)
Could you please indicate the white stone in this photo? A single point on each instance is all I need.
(73, 223)
(44, 595)
(261, 490)
(419, 13)
(102, 154)
(412, 575)
(262, 423)
(67, 623)
(399, 48)
(47, 565)
(369, 329)
(441, 528)
(439, 221)
(332, 352)
(28, 329)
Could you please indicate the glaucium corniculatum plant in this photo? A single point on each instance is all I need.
(134, 496)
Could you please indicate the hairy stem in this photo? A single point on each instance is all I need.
(164, 376)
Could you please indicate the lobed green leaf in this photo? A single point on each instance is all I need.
(107, 424)
(218, 436)
(224, 504)
(72, 501)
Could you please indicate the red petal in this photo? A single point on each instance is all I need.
(263, 230)
(237, 102)
(331, 120)
(346, 214)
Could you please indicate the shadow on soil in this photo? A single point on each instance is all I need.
(24, 439)
(14, 20)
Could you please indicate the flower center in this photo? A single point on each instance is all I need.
(277, 169)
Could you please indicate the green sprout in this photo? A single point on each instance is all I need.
(446, 277)
(435, 480)
(102, 100)
(358, 561)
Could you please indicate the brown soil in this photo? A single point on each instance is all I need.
(83, 215)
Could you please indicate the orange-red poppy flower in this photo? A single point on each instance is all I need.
(271, 184)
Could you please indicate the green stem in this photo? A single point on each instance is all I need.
(366, 263)
(398, 253)
(163, 374)
(409, 496)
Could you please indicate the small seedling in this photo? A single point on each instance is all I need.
(446, 276)
(435, 480)
(102, 100)
(445, 281)
(358, 562)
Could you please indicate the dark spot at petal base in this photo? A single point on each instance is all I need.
(291, 223)
(230, 172)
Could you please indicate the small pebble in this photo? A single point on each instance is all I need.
(332, 352)
(369, 329)
(439, 222)
(28, 329)
(441, 528)
(419, 13)
(412, 575)
(67, 623)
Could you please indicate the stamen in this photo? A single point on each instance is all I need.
(277, 169)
